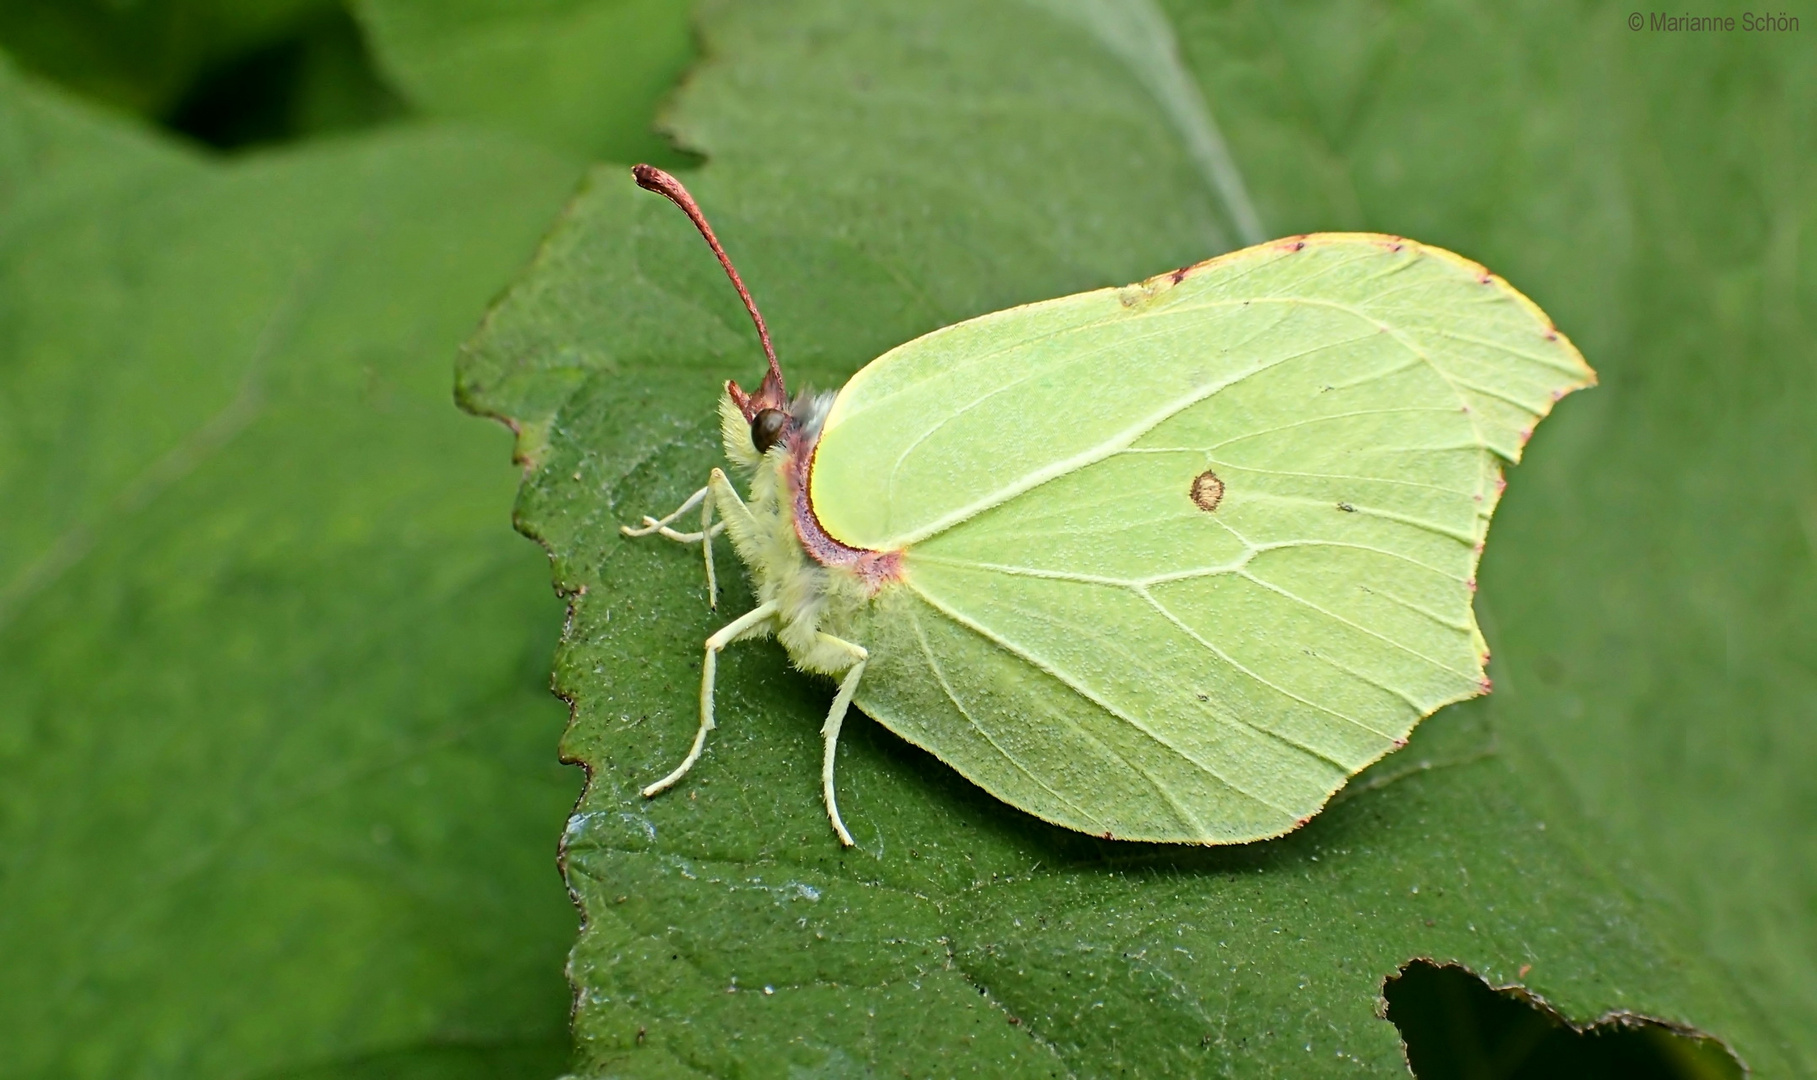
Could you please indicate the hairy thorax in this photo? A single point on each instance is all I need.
(819, 585)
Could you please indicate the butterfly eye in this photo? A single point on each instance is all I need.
(766, 428)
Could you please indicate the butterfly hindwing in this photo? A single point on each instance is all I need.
(1182, 558)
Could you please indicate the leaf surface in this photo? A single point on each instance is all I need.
(880, 172)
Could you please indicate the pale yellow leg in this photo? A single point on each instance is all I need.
(652, 525)
(829, 731)
(708, 530)
(738, 516)
(726, 497)
(753, 623)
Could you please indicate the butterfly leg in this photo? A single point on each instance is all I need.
(708, 530)
(756, 622)
(848, 685)
(737, 518)
(661, 525)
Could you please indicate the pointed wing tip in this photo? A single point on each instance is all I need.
(1584, 375)
(1290, 245)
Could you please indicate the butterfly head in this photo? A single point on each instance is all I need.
(753, 424)
(767, 412)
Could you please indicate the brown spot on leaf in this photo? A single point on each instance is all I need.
(1207, 491)
(1179, 275)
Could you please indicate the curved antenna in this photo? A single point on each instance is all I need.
(651, 178)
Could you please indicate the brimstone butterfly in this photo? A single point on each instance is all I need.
(1168, 562)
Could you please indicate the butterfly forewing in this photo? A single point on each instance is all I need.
(1181, 558)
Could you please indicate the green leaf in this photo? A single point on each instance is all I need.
(884, 170)
(581, 76)
(277, 788)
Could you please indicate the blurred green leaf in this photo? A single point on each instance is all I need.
(1624, 827)
(144, 55)
(315, 82)
(277, 790)
(581, 76)
(229, 75)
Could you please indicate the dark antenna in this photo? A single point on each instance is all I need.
(651, 178)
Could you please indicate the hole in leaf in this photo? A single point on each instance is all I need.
(1455, 1027)
(317, 80)
(230, 74)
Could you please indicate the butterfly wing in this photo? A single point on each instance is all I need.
(1181, 558)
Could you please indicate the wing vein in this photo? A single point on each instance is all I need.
(1316, 420)
(1343, 476)
(947, 689)
(1334, 617)
(1270, 684)
(1406, 698)
(1025, 571)
(1369, 511)
(1097, 453)
(1121, 343)
(1420, 609)
(1088, 695)
(1535, 358)
(1276, 544)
